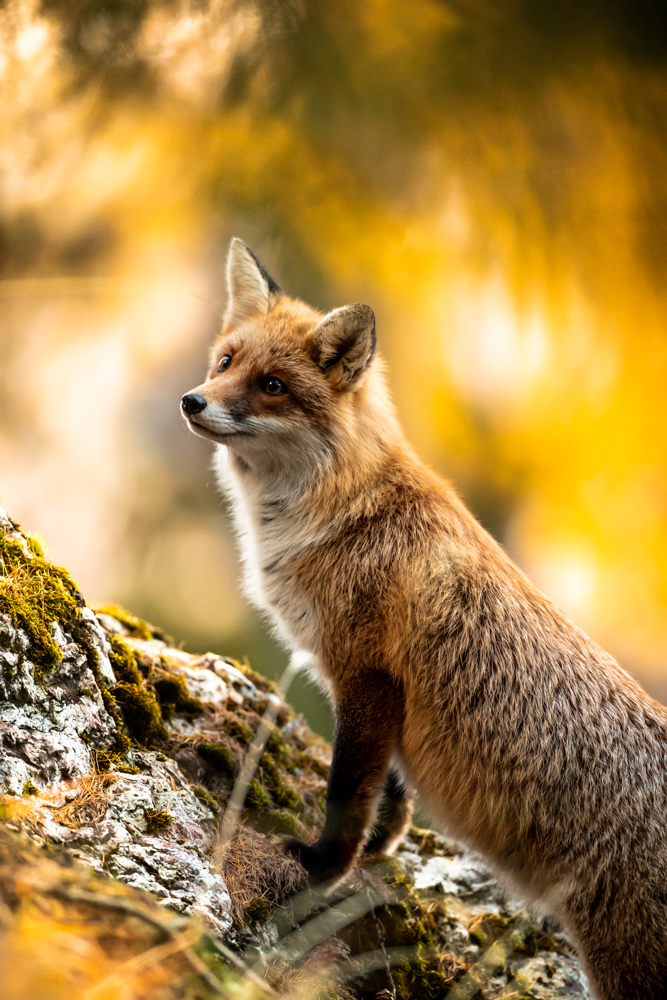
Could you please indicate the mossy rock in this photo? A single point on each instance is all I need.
(283, 792)
(157, 819)
(141, 711)
(123, 661)
(239, 730)
(257, 909)
(278, 821)
(35, 594)
(136, 626)
(207, 799)
(174, 697)
(257, 797)
(218, 756)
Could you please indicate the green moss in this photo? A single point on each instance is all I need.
(279, 821)
(275, 743)
(29, 789)
(260, 682)
(157, 819)
(256, 797)
(528, 939)
(487, 928)
(123, 742)
(35, 593)
(203, 796)
(257, 909)
(238, 730)
(219, 756)
(329, 992)
(288, 759)
(137, 626)
(424, 978)
(123, 661)
(391, 870)
(112, 759)
(113, 756)
(174, 697)
(141, 711)
(87, 691)
(312, 763)
(35, 546)
(408, 924)
(282, 791)
(160, 756)
(426, 839)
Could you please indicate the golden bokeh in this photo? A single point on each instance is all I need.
(490, 177)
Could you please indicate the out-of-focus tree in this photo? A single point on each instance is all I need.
(490, 176)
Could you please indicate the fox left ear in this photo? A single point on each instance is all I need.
(250, 289)
(346, 344)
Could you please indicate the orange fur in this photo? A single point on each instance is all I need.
(448, 671)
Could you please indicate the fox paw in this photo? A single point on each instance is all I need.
(319, 860)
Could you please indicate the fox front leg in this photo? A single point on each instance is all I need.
(368, 717)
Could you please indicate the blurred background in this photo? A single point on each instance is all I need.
(489, 175)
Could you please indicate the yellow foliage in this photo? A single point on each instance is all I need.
(490, 177)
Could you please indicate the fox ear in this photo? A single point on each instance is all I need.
(346, 344)
(250, 289)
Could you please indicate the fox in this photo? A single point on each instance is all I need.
(451, 676)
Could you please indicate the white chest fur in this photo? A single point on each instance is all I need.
(271, 539)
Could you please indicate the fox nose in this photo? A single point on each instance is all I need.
(192, 403)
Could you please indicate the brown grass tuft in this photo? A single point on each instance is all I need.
(253, 868)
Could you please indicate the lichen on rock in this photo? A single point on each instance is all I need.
(122, 752)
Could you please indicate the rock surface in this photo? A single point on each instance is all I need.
(124, 752)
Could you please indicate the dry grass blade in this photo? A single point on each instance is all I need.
(89, 805)
(252, 869)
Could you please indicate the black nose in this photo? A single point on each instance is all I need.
(192, 403)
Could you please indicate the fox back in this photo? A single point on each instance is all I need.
(448, 671)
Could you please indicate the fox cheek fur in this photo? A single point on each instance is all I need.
(448, 671)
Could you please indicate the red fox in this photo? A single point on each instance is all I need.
(449, 672)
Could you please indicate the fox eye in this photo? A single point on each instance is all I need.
(272, 386)
(224, 362)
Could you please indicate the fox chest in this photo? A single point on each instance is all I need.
(269, 555)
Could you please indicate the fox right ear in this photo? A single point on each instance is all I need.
(345, 341)
(250, 289)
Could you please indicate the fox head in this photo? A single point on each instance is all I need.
(287, 387)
